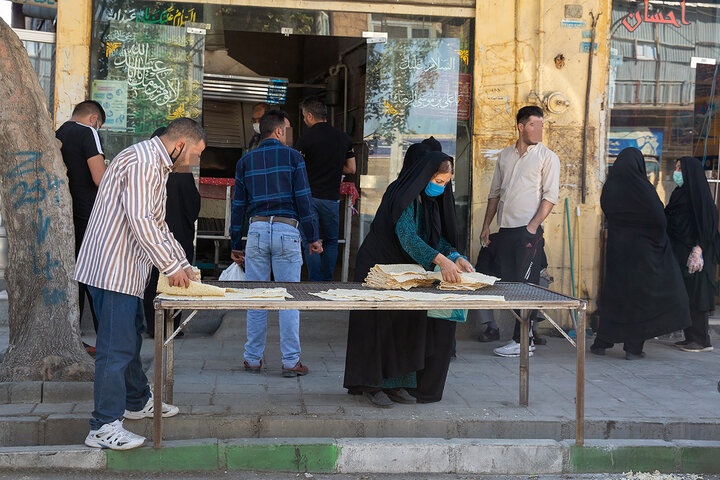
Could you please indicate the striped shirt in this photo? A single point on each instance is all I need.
(127, 233)
(271, 181)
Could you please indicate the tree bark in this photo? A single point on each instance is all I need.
(36, 205)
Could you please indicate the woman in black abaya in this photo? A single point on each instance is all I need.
(642, 295)
(390, 352)
(693, 230)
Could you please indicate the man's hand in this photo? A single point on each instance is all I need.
(485, 236)
(179, 279)
(238, 256)
(464, 265)
(190, 274)
(315, 247)
(531, 228)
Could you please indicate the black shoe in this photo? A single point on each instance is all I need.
(378, 399)
(539, 340)
(490, 335)
(682, 343)
(400, 395)
(597, 350)
(634, 356)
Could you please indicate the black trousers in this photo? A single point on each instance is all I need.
(635, 348)
(431, 379)
(80, 225)
(698, 331)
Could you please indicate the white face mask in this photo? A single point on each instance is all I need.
(256, 127)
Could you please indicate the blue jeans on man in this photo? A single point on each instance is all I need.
(275, 247)
(120, 382)
(327, 217)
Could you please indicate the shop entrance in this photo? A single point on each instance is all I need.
(243, 69)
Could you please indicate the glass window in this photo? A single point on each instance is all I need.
(664, 85)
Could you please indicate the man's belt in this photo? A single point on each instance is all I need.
(288, 221)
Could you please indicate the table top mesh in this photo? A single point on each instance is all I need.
(301, 292)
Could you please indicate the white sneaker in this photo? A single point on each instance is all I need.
(149, 409)
(113, 436)
(512, 349)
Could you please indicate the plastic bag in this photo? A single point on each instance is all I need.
(234, 273)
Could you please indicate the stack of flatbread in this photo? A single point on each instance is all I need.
(396, 277)
(339, 294)
(468, 281)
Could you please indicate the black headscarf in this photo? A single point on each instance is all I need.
(440, 210)
(643, 295)
(416, 151)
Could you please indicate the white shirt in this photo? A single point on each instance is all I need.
(127, 233)
(522, 182)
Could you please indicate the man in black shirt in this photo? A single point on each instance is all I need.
(258, 111)
(85, 161)
(328, 155)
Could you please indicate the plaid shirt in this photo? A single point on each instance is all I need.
(272, 181)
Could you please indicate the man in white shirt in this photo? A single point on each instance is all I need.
(523, 191)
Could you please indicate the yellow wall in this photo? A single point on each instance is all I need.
(72, 58)
(509, 42)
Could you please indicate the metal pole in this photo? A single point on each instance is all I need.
(524, 357)
(346, 235)
(580, 381)
(158, 378)
(170, 354)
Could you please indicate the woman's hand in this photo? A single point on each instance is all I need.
(464, 265)
(450, 271)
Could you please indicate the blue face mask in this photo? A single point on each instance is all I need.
(678, 178)
(433, 189)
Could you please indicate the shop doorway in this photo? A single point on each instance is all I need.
(243, 69)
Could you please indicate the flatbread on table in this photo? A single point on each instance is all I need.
(340, 294)
(396, 277)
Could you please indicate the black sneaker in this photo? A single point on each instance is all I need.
(634, 356)
(400, 395)
(682, 343)
(490, 335)
(696, 347)
(378, 399)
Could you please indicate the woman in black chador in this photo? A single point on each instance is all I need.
(642, 295)
(404, 356)
(693, 230)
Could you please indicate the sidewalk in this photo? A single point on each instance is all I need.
(669, 395)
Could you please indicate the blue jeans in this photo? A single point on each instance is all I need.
(120, 382)
(327, 218)
(275, 246)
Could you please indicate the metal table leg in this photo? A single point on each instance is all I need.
(158, 378)
(170, 357)
(580, 381)
(524, 357)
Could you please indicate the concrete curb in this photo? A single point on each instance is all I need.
(381, 455)
(45, 392)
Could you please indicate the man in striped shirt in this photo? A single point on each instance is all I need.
(271, 187)
(126, 235)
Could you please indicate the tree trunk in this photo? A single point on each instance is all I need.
(36, 205)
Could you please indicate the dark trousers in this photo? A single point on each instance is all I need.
(698, 331)
(635, 348)
(80, 227)
(431, 379)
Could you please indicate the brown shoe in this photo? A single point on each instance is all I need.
(298, 370)
(251, 368)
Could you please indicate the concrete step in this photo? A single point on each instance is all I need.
(70, 428)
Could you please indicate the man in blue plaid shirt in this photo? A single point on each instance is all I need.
(271, 187)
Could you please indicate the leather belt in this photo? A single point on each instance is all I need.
(288, 221)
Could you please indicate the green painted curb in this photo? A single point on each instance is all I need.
(700, 460)
(589, 459)
(177, 458)
(291, 457)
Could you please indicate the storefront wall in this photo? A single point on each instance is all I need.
(531, 50)
(523, 52)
